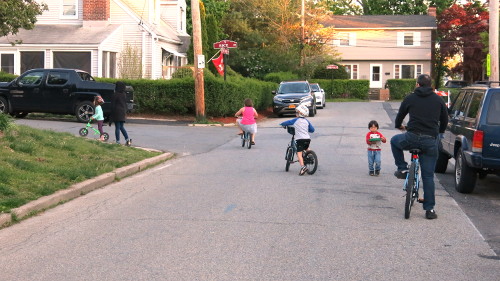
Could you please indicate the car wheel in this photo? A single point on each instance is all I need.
(324, 103)
(312, 111)
(465, 177)
(4, 106)
(441, 163)
(84, 111)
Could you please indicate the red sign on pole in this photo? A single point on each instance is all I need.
(225, 44)
(332, 66)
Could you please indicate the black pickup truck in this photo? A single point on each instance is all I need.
(58, 91)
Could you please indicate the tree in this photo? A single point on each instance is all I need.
(269, 35)
(459, 29)
(16, 14)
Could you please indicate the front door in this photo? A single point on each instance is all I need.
(376, 76)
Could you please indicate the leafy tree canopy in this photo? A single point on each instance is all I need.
(459, 30)
(16, 14)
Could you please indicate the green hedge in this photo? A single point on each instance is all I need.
(222, 98)
(399, 88)
(277, 77)
(344, 88)
(6, 77)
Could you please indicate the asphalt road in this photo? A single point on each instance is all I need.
(223, 212)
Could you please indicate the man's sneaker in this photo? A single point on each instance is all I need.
(128, 142)
(377, 172)
(303, 171)
(401, 174)
(431, 214)
(372, 173)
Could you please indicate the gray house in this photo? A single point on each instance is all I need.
(378, 48)
(108, 38)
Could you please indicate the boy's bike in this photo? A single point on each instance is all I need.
(309, 156)
(412, 182)
(85, 131)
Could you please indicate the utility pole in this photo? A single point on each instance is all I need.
(302, 25)
(493, 41)
(199, 87)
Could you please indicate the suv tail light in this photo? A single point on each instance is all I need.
(477, 141)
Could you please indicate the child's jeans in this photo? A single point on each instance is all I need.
(374, 162)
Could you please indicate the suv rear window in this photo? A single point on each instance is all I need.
(494, 110)
(293, 88)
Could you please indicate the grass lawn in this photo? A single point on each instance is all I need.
(36, 163)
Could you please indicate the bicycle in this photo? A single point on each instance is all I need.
(309, 156)
(412, 182)
(85, 131)
(246, 138)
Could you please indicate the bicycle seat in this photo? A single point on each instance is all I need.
(415, 151)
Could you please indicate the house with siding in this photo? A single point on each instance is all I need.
(382, 47)
(107, 38)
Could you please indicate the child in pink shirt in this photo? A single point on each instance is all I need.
(247, 121)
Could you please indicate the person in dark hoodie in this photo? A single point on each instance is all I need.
(119, 112)
(428, 119)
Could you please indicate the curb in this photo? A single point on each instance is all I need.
(80, 188)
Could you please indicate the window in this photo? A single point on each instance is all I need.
(30, 60)
(352, 70)
(57, 78)
(7, 61)
(32, 78)
(69, 9)
(345, 39)
(457, 109)
(109, 64)
(494, 110)
(408, 39)
(76, 60)
(407, 71)
(475, 104)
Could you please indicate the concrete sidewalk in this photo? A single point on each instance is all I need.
(79, 189)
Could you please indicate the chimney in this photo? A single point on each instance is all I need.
(432, 11)
(96, 10)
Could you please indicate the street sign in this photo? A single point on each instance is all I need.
(224, 51)
(332, 66)
(225, 44)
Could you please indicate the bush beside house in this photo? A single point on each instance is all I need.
(399, 88)
(344, 88)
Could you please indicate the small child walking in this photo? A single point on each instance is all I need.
(247, 122)
(374, 139)
(99, 115)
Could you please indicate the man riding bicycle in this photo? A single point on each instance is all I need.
(428, 118)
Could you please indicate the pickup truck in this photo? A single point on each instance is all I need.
(472, 136)
(57, 91)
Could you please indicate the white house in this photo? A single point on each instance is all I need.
(107, 38)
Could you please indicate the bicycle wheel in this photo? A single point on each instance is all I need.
(249, 140)
(311, 161)
(289, 158)
(83, 132)
(243, 139)
(410, 186)
(106, 136)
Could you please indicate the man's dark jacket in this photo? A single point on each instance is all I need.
(428, 112)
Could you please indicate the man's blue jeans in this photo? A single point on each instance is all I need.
(374, 163)
(119, 127)
(429, 147)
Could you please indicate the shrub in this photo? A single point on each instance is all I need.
(400, 88)
(7, 77)
(5, 121)
(183, 73)
(344, 88)
(277, 77)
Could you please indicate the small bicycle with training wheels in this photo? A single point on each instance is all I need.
(85, 131)
(309, 156)
(412, 182)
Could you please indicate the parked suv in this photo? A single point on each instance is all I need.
(472, 137)
(290, 94)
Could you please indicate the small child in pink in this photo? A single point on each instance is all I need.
(247, 121)
(374, 139)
